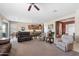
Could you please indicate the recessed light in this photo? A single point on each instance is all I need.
(54, 10)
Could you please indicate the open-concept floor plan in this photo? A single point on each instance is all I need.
(39, 29)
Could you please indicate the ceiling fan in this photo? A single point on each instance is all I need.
(33, 4)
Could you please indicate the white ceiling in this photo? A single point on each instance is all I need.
(19, 11)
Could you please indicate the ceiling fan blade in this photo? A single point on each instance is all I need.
(32, 3)
(36, 7)
(29, 7)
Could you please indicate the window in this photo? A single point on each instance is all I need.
(70, 29)
(4, 30)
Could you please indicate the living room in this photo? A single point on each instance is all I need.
(26, 29)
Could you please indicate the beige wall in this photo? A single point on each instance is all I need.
(16, 26)
(48, 23)
(77, 25)
(46, 26)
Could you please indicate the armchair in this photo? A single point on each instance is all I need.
(65, 43)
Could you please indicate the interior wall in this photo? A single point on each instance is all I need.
(46, 26)
(77, 25)
(16, 26)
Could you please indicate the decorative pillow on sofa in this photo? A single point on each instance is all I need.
(4, 41)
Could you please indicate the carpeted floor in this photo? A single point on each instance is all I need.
(38, 48)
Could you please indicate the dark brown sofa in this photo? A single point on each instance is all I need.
(24, 36)
(5, 47)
